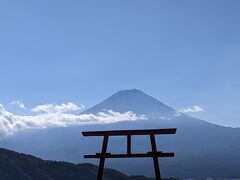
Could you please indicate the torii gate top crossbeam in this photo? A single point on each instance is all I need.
(130, 132)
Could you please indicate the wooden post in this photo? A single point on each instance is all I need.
(155, 158)
(102, 158)
(128, 144)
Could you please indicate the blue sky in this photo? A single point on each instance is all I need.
(184, 53)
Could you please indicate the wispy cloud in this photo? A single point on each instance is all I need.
(55, 108)
(57, 116)
(193, 109)
(18, 104)
(165, 118)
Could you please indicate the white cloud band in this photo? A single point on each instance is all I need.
(56, 116)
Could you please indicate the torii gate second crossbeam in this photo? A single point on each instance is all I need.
(154, 153)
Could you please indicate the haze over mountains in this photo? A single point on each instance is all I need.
(202, 149)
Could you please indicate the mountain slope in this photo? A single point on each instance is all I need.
(132, 100)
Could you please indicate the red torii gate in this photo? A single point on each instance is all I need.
(154, 153)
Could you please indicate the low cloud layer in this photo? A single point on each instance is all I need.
(49, 115)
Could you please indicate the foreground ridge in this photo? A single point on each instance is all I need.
(20, 166)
